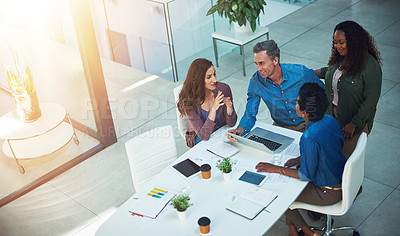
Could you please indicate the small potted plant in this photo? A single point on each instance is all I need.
(225, 166)
(239, 11)
(181, 203)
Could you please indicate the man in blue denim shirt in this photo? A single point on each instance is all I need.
(278, 86)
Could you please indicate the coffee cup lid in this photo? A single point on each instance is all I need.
(205, 167)
(204, 221)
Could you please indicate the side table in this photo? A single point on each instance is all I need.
(44, 136)
(240, 39)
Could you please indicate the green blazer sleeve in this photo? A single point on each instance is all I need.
(372, 81)
(323, 71)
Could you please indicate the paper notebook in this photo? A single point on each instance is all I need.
(222, 149)
(251, 202)
(151, 202)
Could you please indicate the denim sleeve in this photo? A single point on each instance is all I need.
(312, 78)
(302, 176)
(253, 101)
(309, 157)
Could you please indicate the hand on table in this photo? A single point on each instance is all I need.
(293, 162)
(267, 167)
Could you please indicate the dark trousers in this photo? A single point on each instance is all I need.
(315, 195)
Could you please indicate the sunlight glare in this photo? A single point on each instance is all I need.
(140, 83)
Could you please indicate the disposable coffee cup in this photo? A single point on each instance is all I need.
(205, 171)
(204, 225)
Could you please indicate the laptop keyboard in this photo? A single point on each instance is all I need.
(268, 143)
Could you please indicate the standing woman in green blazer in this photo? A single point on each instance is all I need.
(353, 81)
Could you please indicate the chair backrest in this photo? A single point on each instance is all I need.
(353, 173)
(149, 153)
(182, 121)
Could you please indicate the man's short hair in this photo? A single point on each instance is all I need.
(270, 46)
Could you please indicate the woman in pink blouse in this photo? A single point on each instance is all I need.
(207, 103)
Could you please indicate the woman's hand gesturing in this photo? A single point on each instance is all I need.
(218, 101)
(229, 107)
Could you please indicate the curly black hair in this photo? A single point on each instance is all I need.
(359, 44)
(313, 99)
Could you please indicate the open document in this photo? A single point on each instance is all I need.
(151, 202)
(222, 149)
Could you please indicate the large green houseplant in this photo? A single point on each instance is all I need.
(239, 11)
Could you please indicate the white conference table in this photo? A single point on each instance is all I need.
(210, 197)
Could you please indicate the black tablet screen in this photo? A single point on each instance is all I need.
(252, 177)
(187, 167)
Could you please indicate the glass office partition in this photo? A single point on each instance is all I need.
(161, 37)
(40, 37)
(192, 31)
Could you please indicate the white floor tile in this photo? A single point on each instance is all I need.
(44, 211)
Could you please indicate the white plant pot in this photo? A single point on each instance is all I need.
(182, 214)
(227, 176)
(242, 29)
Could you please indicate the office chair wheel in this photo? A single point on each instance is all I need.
(355, 233)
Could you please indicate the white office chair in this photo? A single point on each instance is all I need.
(352, 179)
(149, 153)
(182, 121)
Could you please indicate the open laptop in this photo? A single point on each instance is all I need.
(264, 140)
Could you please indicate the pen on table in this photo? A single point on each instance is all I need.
(267, 210)
(214, 153)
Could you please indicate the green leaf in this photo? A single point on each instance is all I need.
(212, 10)
(248, 14)
(253, 25)
(225, 165)
(227, 8)
(181, 202)
(234, 6)
(251, 4)
(255, 14)
(242, 6)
